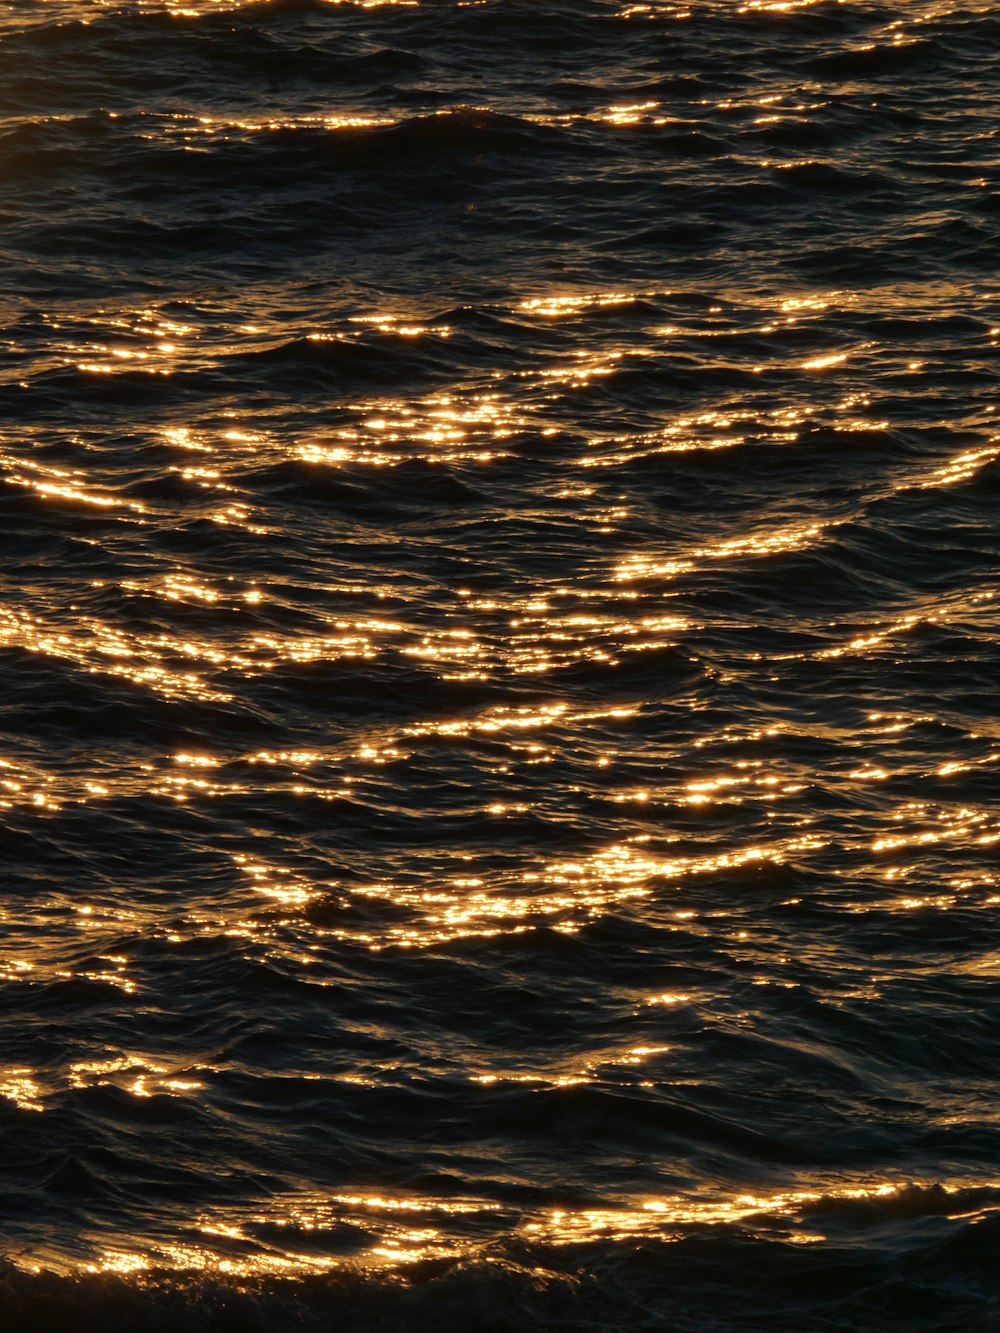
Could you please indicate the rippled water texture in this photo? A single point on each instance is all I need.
(499, 638)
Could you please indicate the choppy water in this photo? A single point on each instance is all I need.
(499, 641)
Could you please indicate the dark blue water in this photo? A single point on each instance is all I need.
(499, 646)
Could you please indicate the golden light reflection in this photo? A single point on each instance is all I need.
(825, 362)
(699, 432)
(801, 303)
(276, 882)
(138, 1075)
(561, 894)
(439, 428)
(193, 9)
(775, 541)
(923, 823)
(324, 774)
(878, 639)
(961, 466)
(281, 1239)
(185, 665)
(754, 782)
(287, 1237)
(25, 783)
(955, 766)
(558, 307)
(21, 1086)
(776, 6)
(34, 957)
(132, 342)
(70, 485)
(180, 586)
(191, 128)
(674, 1214)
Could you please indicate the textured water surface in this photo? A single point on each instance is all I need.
(499, 643)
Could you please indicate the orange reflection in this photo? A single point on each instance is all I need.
(792, 537)
(285, 1237)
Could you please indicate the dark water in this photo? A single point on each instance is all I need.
(500, 650)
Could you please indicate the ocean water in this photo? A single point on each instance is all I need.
(499, 642)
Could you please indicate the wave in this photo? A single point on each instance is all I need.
(928, 1268)
(499, 654)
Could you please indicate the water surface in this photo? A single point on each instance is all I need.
(499, 639)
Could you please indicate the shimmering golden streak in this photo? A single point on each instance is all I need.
(21, 1086)
(409, 1228)
(562, 894)
(775, 541)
